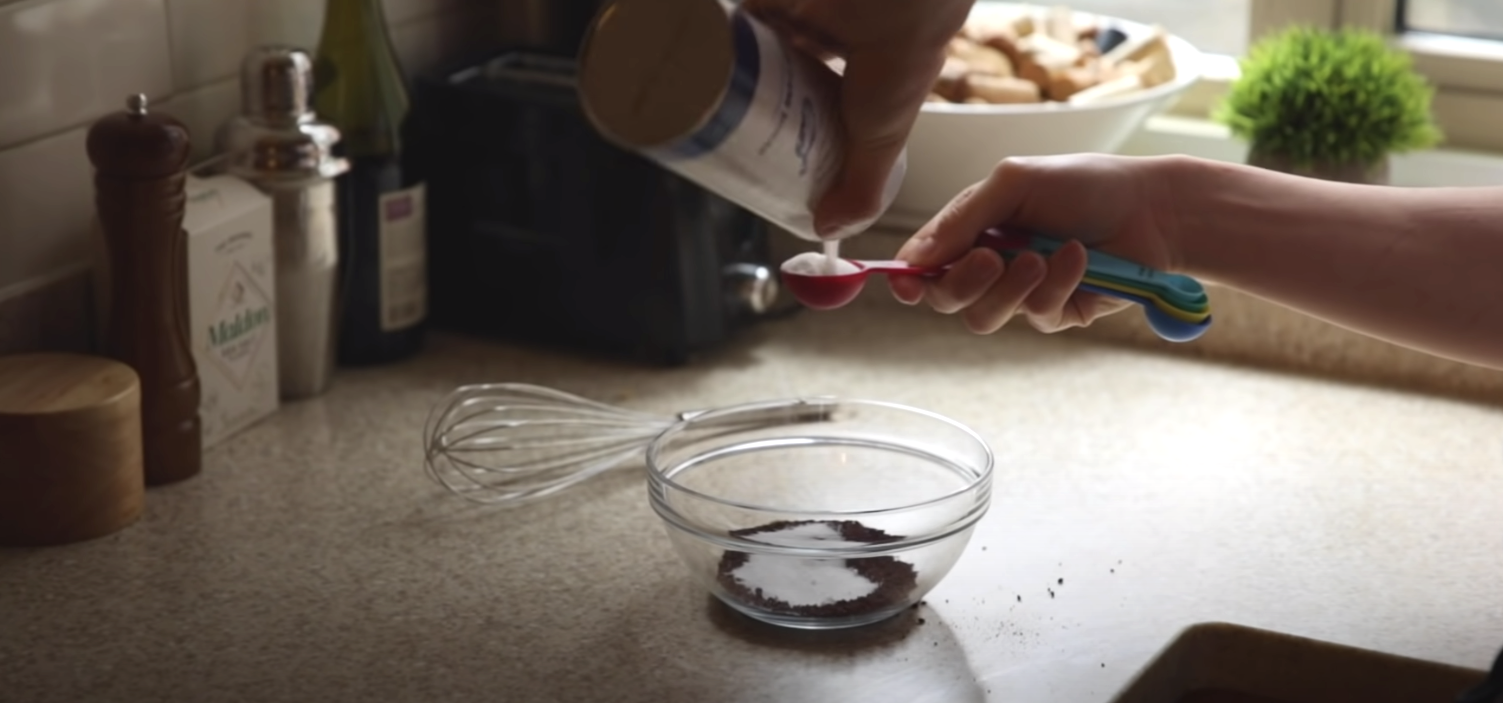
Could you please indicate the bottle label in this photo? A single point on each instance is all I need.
(404, 258)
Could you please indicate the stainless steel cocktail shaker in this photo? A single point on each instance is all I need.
(277, 144)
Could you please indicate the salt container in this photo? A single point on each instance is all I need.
(714, 95)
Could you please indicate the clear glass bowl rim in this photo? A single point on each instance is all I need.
(657, 477)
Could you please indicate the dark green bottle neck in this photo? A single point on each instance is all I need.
(354, 23)
(361, 88)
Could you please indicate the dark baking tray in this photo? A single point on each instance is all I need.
(1226, 663)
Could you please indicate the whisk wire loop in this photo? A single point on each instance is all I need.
(513, 443)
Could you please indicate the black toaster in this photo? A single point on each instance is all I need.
(542, 232)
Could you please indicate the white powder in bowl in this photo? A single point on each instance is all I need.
(802, 581)
(815, 264)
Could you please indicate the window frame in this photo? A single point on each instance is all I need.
(1467, 72)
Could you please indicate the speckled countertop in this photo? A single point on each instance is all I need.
(314, 561)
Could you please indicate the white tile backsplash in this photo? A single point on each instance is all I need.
(203, 110)
(46, 202)
(294, 22)
(209, 37)
(64, 63)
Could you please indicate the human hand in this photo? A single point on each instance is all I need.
(893, 50)
(1122, 205)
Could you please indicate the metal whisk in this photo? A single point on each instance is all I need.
(515, 443)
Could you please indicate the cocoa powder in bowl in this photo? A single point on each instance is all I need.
(813, 587)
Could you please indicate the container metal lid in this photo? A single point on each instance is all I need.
(276, 84)
(277, 137)
(653, 71)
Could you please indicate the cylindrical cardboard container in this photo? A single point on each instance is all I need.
(712, 94)
(70, 448)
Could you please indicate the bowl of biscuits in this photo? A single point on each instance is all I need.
(1030, 80)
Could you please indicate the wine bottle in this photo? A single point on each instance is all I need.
(360, 89)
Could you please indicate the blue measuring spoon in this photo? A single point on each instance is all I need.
(1166, 326)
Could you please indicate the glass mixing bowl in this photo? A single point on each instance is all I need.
(819, 513)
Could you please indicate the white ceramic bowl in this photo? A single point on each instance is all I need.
(955, 145)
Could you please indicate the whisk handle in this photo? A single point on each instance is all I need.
(774, 412)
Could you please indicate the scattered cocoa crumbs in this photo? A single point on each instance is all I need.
(1061, 582)
(1020, 599)
(1051, 592)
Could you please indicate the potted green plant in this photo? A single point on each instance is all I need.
(1330, 104)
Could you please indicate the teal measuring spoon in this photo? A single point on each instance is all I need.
(1180, 291)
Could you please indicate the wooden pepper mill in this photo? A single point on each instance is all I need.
(140, 161)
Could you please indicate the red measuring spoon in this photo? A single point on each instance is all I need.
(822, 290)
(827, 291)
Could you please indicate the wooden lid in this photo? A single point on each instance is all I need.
(71, 467)
(653, 71)
(48, 384)
(137, 143)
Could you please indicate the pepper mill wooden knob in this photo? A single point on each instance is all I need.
(140, 160)
(70, 467)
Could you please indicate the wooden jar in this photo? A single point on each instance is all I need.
(70, 448)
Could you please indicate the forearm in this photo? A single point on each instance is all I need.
(1419, 267)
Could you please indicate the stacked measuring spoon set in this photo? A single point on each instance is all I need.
(1177, 306)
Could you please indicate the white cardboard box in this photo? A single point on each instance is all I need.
(231, 303)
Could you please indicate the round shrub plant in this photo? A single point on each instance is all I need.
(1312, 98)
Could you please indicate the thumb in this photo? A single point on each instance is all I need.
(856, 195)
(882, 92)
(951, 233)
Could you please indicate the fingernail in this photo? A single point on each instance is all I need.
(1031, 266)
(915, 248)
(909, 290)
(982, 270)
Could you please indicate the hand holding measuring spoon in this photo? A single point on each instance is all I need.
(1176, 306)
